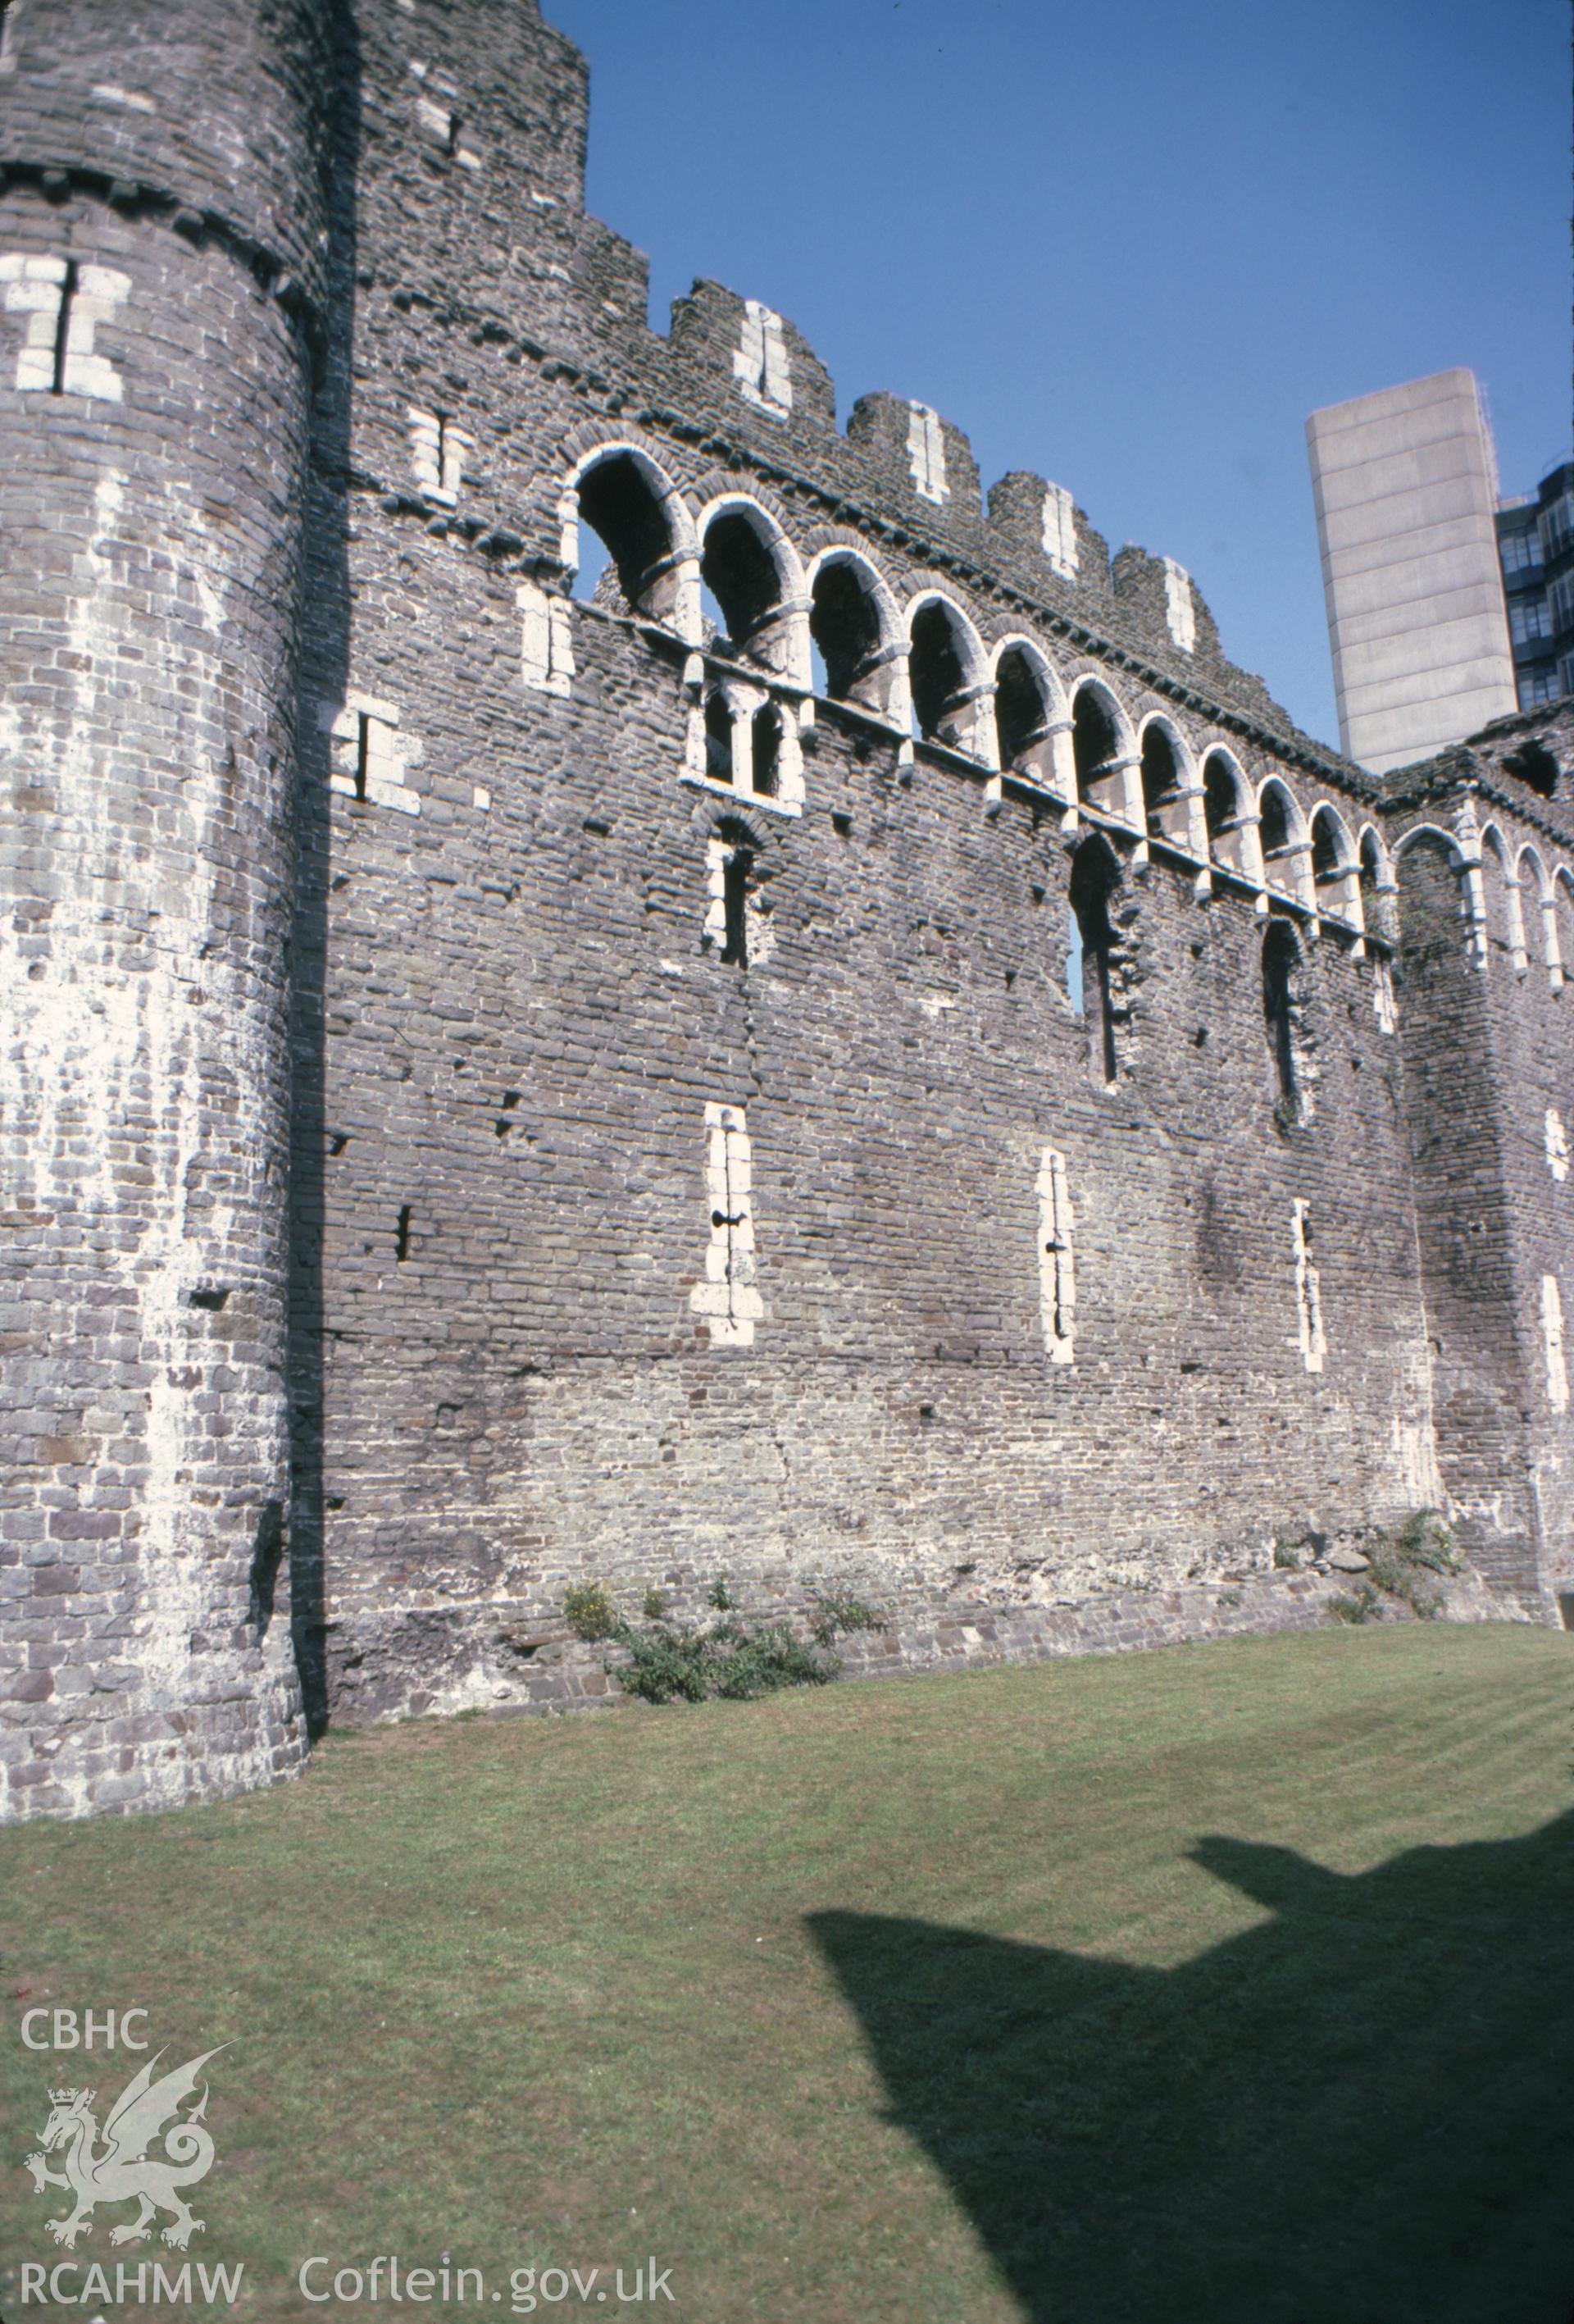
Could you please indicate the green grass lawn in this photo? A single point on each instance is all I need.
(1231, 1982)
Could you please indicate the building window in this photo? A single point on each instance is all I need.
(1527, 620)
(1056, 1277)
(1521, 551)
(1095, 878)
(728, 1299)
(1543, 685)
(1557, 526)
(1308, 1291)
(1553, 1341)
(1283, 1015)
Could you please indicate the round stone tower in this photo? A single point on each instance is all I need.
(164, 184)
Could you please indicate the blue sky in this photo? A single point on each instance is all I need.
(1128, 244)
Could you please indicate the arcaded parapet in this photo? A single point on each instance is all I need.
(154, 374)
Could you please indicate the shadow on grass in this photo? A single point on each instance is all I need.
(1360, 2111)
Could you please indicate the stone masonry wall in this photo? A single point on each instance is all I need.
(524, 1355)
(153, 352)
(857, 1049)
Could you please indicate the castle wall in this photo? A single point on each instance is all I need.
(1485, 870)
(153, 405)
(708, 1151)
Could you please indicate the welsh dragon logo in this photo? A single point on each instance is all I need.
(122, 2170)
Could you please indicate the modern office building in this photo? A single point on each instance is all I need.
(1535, 541)
(1406, 492)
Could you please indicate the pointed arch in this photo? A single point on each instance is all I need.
(1503, 902)
(1171, 795)
(756, 576)
(1230, 816)
(856, 627)
(949, 678)
(1100, 949)
(1285, 842)
(1375, 869)
(1335, 866)
(1563, 889)
(630, 503)
(1032, 719)
(1536, 900)
(1104, 751)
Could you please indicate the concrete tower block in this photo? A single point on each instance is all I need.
(149, 642)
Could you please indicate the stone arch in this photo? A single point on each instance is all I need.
(1423, 857)
(1335, 866)
(756, 576)
(1375, 871)
(1032, 718)
(1536, 893)
(1171, 795)
(854, 621)
(1562, 891)
(1502, 901)
(1104, 751)
(1230, 814)
(741, 859)
(1286, 841)
(948, 677)
(631, 503)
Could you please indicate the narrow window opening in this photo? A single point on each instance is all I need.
(1021, 721)
(7, 33)
(718, 739)
(1160, 787)
(1308, 1290)
(1281, 1013)
(1220, 800)
(1273, 830)
(63, 326)
(618, 503)
(455, 123)
(1095, 877)
(1096, 752)
(844, 628)
(1056, 1264)
(362, 751)
(401, 1235)
(766, 740)
(741, 575)
(728, 1298)
(938, 679)
(735, 874)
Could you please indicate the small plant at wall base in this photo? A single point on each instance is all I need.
(720, 1594)
(654, 1604)
(1356, 1609)
(666, 1664)
(1423, 1545)
(840, 1613)
(1287, 1556)
(590, 1611)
